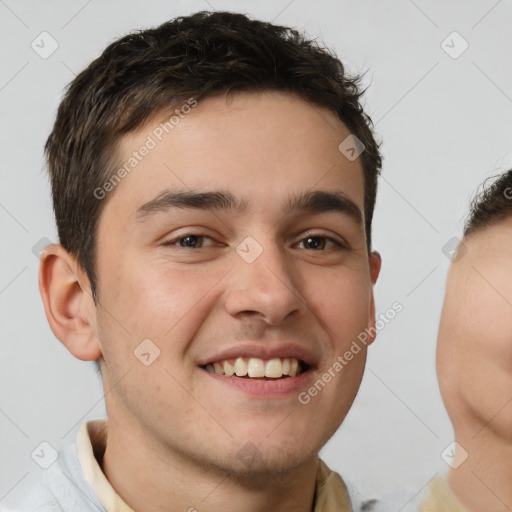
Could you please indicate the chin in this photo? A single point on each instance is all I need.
(265, 466)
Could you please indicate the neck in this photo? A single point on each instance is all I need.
(151, 477)
(484, 480)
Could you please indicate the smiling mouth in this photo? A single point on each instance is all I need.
(258, 369)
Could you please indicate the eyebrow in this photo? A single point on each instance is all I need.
(317, 201)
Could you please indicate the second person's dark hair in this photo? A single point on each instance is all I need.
(491, 205)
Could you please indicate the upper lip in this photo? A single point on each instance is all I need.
(261, 351)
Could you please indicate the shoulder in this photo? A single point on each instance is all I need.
(31, 497)
(439, 496)
(397, 498)
(60, 488)
(333, 493)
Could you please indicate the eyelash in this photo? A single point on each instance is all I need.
(186, 235)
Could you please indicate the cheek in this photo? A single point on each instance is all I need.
(342, 300)
(475, 361)
(153, 298)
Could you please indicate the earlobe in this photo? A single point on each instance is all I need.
(68, 302)
(375, 266)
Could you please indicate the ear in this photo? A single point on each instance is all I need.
(68, 302)
(375, 265)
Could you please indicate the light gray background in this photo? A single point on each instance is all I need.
(444, 127)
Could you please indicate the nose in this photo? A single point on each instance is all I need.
(264, 288)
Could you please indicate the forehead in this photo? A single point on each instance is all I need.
(487, 246)
(258, 145)
(482, 278)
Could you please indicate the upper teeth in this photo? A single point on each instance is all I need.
(255, 367)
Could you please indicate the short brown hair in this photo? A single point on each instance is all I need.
(491, 205)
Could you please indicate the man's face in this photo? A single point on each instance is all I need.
(474, 357)
(207, 284)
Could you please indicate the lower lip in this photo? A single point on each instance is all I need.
(265, 388)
